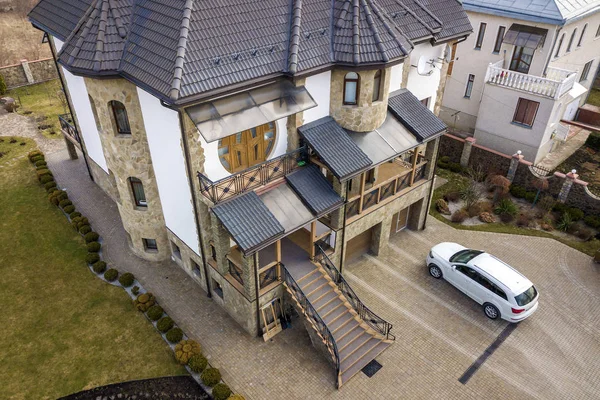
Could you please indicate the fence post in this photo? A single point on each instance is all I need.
(514, 164)
(27, 71)
(466, 151)
(567, 185)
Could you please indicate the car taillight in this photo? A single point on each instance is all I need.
(517, 310)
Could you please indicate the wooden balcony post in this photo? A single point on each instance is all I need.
(362, 191)
(313, 236)
(414, 166)
(278, 257)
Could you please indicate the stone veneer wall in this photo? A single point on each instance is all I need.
(104, 180)
(129, 156)
(366, 115)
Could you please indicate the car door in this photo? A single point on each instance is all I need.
(457, 277)
(472, 287)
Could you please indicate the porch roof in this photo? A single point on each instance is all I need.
(525, 36)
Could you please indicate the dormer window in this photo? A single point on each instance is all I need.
(121, 120)
(351, 82)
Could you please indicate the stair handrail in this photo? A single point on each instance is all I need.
(319, 324)
(373, 320)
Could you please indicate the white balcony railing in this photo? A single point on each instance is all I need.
(554, 85)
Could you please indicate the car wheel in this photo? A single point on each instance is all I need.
(491, 311)
(435, 271)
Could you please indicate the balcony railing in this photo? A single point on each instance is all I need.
(67, 127)
(252, 177)
(554, 85)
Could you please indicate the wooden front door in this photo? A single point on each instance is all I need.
(400, 220)
(247, 148)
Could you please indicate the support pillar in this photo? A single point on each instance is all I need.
(514, 164)
(27, 71)
(567, 185)
(71, 149)
(466, 152)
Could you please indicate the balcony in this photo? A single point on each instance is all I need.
(253, 177)
(68, 128)
(556, 83)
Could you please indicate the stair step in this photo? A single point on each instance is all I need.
(315, 284)
(331, 295)
(309, 276)
(318, 293)
(354, 345)
(331, 304)
(334, 315)
(349, 370)
(340, 322)
(349, 336)
(339, 334)
(310, 281)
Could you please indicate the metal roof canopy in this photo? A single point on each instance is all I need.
(525, 36)
(232, 114)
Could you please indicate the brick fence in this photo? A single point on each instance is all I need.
(567, 188)
(29, 72)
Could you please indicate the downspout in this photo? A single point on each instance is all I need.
(343, 256)
(68, 97)
(191, 183)
(431, 189)
(256, 283)
(552, 50)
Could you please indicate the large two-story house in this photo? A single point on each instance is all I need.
(262, 145)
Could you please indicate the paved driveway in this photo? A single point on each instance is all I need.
(440, 332)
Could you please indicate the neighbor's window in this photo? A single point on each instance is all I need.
(521, 59)
(499, 39)
(137, 188)
(526, 112)
(469, 88)
(377, 85)
(558, 47)
(120, 117)
(571, 40)
(351, 82)
(586, 70)
(480, 35)
(581, 37)
(150, 244)
(247, 148)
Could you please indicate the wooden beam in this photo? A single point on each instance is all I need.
(414, 166)
(363, 177)
(313, 236)
(278, 250)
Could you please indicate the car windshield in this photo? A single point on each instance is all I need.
(526, 297)
(464, 256)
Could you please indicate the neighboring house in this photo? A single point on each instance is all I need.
(252, 141)
(528, 65)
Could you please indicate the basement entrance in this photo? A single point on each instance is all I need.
(359, 245)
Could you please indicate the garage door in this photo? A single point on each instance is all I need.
(359, 245)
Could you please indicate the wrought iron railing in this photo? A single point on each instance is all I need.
(253, 177)
(314, 317)
(373, 320)
(66, 125)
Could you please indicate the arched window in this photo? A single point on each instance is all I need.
(247, 148)
(560, 42)
(137, 189)
(351, 82)
(377, 85)
(581, 37)
(571, 40)
(120, 118)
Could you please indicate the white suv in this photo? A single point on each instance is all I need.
(501, 289)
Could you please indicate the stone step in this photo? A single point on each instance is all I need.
(309, 277)
(315, 284)
(350, 370)
(311, 280)
(354, 346)
(330, 296)
(346, 329)
(318, 293)
(324, 309)
(334, 315)
(349, 337)
(339, 323)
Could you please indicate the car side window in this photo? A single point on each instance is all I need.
(469, 272)
(486, 283)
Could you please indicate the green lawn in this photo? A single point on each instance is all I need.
(594, 98)
(64, 329)
(43, 99)
(457, 181)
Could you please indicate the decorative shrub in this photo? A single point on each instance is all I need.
(74, 214)
(126, 279)
(186, 349)
(93, 247)
(530, 196)
(518, 191)
(35, 153)
(584, 233)
(62, 195)
(37, 158)
(486, 206)
(46, 178)
(221, 391)
(43, 172)
(592, 221)
(144, 301)
(85, 229)
(99, 267)
(82, 221)
(546, 203)
(135, 290)
(164, 324)
(91, 258)
(459, 216)
(91, 237)
(111, 275)
(174, 335)
(197, 363)
(442, 206)
(455, 167)
(523, 221)
(155, 312)
(565, 222)
(69, 209)
(560, 208)
(210, 377)
(593, 141)
(474, 210)
(486, 217)
(506, 207)
(576, 213)
(40, 163)
(49, 186)
(64, 203)
(443, 162)
(452, 197)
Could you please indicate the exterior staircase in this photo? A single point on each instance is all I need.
(352, 333)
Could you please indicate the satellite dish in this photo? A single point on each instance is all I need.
(425, 66)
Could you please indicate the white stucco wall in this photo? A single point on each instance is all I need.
(164, 140)
(396, 77)
(84, 114)
(318, 86)
(425, 86)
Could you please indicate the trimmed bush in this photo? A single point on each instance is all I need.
(210, 377)
(452, 197)
(576, 213)
(164, 324)
(85, 229)
(35, 153)
(455, 167)
(186, 349)
(46, 178)
(174, 335)
(155, 312)
(593, 141)
(43, 172)
(523, 221)
(93, 247)
(50, 186)
(99, 267)
(135, 290)
(518, 191)
(69, 209)
(111, 275)
(444, 162)
(74, 214)
(40, 163)
(221, 391)
(91, 258)
(197, 363)
(144, 301)
(37, 158)
(64, 203)
(82, 221)
(592, 221)
(530, 196)
(91, 237)
(126, 279)
(474, 210)
(459, 216)
(560, 208)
